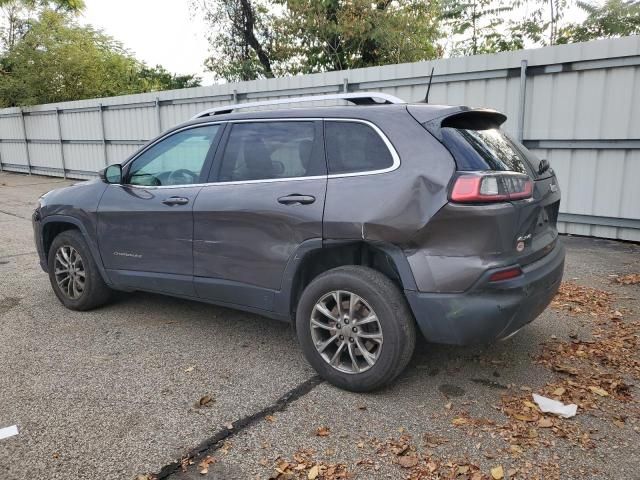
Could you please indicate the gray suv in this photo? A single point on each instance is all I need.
(359, 224)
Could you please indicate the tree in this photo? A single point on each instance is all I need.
(480, 26)
(159, 78)
(16, 15)
(57, 60)
(336, 35)
(242, 42)
(616, 18)
(265, 38)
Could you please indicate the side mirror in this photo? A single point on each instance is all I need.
(112, 174)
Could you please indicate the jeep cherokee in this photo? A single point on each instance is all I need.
(360, 224)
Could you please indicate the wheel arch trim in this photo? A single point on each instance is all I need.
(93, 248)
(284, 300)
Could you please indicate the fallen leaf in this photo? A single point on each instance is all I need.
(189, 370)
(362, 407)
(270, 418)
(229, 426)
(631, 279)
(408, 461)
(322, 431)
(314, 472)
(525, 418)
(545, 422)
(460, 421)
(599, 391)
(497, 473)
(558, 392)
(205, 401)
(448, 405)
(204, 464)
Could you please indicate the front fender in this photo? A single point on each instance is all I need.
(90, 239)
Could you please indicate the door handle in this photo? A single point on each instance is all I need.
(297, 198)
(171, 201)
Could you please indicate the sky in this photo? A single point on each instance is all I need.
(155, 31)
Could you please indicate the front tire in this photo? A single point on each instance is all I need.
(74, 275)
(355, 328)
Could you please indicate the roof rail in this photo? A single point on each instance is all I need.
(364, 98)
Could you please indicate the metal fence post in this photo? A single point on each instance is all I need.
(64, 167)
(235, 96)
(345, 85)
(523, 99)
(158, 118)
(102, 133)
(26, 144)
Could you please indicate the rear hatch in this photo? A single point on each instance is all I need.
(484, 151)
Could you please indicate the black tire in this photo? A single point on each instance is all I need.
(395, 320)
(95, 292)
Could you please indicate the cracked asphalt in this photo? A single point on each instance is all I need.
(112, 393)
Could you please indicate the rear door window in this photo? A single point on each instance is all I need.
(490, 149)
(355, 147)
(272, 150)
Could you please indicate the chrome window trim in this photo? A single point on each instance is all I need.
(394, 154)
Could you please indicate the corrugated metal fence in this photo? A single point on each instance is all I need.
(577, 105)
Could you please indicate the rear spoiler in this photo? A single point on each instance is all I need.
(458, 117)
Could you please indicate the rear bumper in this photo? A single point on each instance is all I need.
(489, 311)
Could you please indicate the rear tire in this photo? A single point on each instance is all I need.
(74, 275)
(366, 354)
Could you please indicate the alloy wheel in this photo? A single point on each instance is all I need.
(69, 272)
(346, 331)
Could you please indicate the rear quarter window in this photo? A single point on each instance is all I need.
(355, 147)
(480, 150)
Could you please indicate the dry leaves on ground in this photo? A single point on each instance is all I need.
(204, 464)
(630, 279)
(303, 466)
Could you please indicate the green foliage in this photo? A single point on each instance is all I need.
(159, 78)
(337, 35)
(616, 18)
(17, 15)
(479, 26)
(57, 60)
(265, 38)
(242, 41)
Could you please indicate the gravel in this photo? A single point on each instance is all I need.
(111, 393)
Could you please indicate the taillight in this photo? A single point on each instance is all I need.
(482, 187)
(505, 274)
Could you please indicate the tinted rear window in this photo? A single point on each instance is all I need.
(355, 147)
(481, 150)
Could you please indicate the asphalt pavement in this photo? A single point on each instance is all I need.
(116, 392)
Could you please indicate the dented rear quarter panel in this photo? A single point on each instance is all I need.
(392, 207)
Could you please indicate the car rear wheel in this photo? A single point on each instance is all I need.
(74, 275)
(355, 328)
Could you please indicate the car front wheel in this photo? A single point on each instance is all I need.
(355, 328)
(73, 273)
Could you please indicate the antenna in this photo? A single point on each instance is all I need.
(426, 97)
